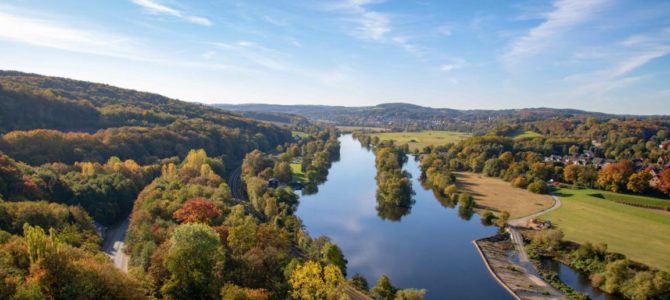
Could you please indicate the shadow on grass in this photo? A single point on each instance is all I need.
(597, 195)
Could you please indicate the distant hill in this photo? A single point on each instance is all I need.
(410, 116)
(79, 120)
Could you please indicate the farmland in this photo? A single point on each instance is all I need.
(419, 140)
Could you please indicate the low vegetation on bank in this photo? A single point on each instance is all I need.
(611, 272)
(642, 234)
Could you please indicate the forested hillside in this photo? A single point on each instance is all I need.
(83, 121)
(403, 116)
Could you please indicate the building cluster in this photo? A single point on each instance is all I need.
(588, 158)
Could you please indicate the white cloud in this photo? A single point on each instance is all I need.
(565, 16)
(628, 55)
(156, 8)
(55, 34)
(449, 67)
(374, 25)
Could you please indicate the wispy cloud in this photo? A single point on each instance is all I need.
(566, 15)
(160, 9)
(56, 34)
(372, 25)
(632, 53)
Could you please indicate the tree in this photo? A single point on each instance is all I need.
(282, 172)
(538, 186)
(333, 255)
(383, 289)
(311, 281)
(197, 210)
(193, 261)
(664, 185)
(410, 294)
(493, 167)
(359, 282)
(639, 182)
(571, 173)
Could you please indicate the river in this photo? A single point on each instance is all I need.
(429, 247)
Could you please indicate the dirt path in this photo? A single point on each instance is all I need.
(114, 244)
(524, 220)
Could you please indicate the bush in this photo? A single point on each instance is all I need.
(538, 186)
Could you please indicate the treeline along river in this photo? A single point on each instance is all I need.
(429, 247)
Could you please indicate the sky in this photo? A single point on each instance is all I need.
(599, 55)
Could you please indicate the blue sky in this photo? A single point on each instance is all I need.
(602, 55)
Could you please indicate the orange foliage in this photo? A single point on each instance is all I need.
(197, 210)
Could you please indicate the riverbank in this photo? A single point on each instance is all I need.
(516, 279)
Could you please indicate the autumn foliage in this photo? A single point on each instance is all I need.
(197, 210)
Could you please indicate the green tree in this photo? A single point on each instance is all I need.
(410, 294)
(383, 289)
(193, 261)
(333, 255)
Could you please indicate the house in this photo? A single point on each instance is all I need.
(273, 183)
(598, 162)
(538, 224)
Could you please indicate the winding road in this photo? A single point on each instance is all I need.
(114, 244)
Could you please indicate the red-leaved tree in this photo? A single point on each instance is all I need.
(197, 210)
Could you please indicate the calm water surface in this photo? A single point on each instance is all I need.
(430, 247)
(576, 280)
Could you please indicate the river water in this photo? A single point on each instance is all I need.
(430, 246)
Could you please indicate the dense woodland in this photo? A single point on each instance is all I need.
(165, 160)
(82, 121)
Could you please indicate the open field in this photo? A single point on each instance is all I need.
(641, 234)
(498, 195)
(421, 139)
(298, 175)
(526, 134)
(635, 200)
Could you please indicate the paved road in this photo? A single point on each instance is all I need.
(114, 244)
(523, 221)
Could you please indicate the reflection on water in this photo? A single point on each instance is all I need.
(429, 247)
(576, 280)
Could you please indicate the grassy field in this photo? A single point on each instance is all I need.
(421, 139)
(641, 234)
(634, 199)
(526, 134)
(499, 195)
(298, 175)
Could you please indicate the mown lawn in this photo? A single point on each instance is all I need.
(641, 234)
(421, 139)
